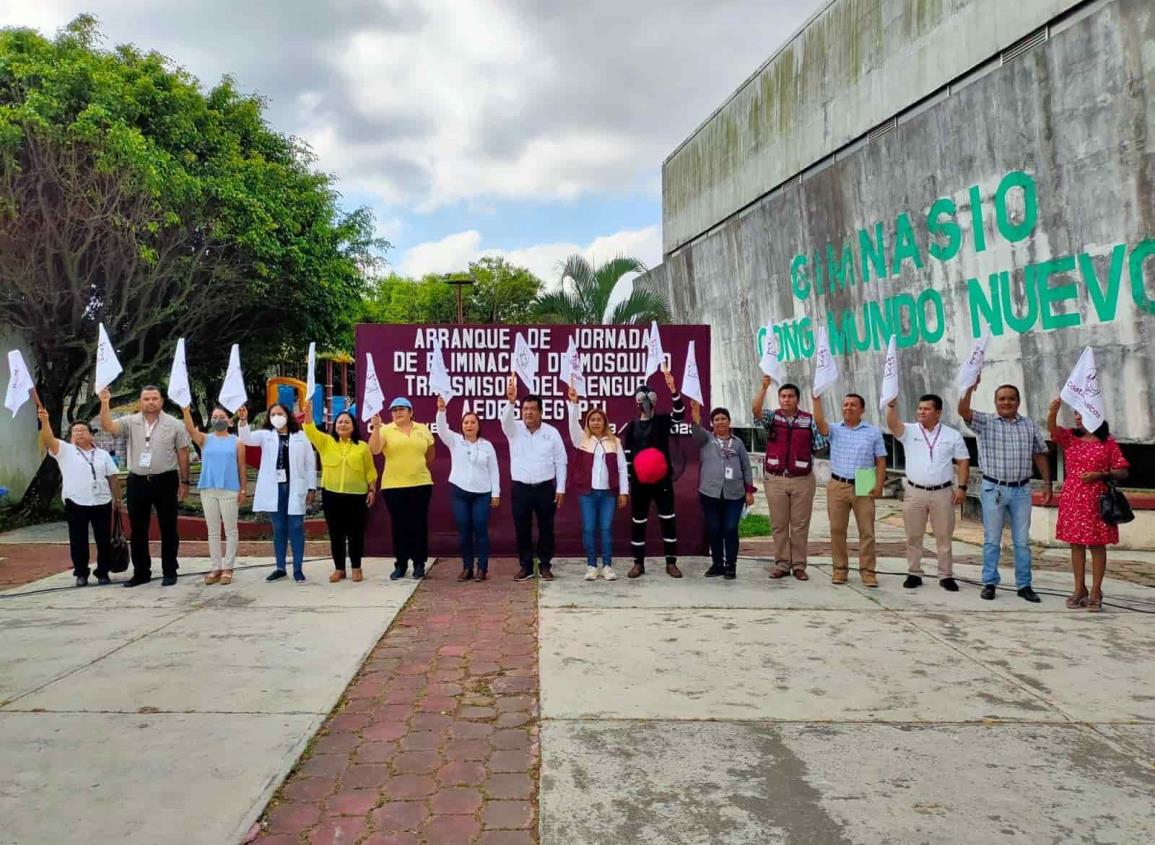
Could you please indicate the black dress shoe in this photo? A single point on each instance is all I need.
(81, 581)
(948, 584)
(730, 572)
(988, 592)
(103, 580)
(276, 575)
(168, 581)
(398, 571)
(715, 570)
(418, 571)
(1030, 595)
(912, 581)
(136, 582)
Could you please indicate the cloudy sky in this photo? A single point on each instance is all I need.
(525, 128)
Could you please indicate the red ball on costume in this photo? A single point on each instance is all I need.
(650, 466)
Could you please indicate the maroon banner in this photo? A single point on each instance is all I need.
(479, 362)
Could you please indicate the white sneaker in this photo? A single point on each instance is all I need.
(591, 573)
(608, 573)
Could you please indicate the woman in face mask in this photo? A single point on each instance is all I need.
(222, 488)
(286, 482)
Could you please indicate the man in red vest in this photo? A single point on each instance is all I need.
(792, 439)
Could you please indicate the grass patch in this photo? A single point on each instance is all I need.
(755, 525)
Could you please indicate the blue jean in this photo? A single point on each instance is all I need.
(287, 529)
(597, 522)
(722, 518)
(471, 513)
(999, 503)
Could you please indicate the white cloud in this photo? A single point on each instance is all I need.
(454, 252)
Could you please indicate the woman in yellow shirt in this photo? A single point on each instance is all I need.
(350, 481)
(406, 483)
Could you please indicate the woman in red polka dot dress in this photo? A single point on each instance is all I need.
(1089, 458)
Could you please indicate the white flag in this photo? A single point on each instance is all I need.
(373, 400)
(107, 364)
(770, 364)
(571, 368)
(439, 381)
(691, 383)
(233, 393)
(20, 382)
(525, 362)
(178, 387)
(889, 375)
(311, 376)
(972, 367)
(825, 367)
(1082, 392)
(655, 355)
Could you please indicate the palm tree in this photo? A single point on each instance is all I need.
(585, 292)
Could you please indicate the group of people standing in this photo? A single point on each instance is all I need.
(635, 467)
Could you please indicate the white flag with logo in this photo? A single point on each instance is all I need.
(825, 367)
(311, 375)
(972, 367)
(770, 364)
(525, 362)
(20, 382)
(439, 381)
(655, 355)
(373, 399)
(107, 364)
(178, 386)
(571, 368)
(889, 375)
(1082, 392)
(691, 382)
(233, 393)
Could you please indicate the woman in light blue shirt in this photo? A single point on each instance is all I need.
(222, 489)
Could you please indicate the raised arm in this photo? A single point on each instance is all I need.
(820, 417)
(508, 424)
(1053, 417)
(47, 438)
(245, 434)
(107, 423)
(699, 434)
(376, 441)
(573, 420)
(964, 404)
(448, 436)
(197, 437)
(760, 400)
(678, 411)
(896, 425)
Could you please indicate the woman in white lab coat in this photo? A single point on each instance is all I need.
(286, 482)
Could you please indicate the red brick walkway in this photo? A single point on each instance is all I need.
(436, 739)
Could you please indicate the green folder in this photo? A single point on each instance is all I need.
(864, 481)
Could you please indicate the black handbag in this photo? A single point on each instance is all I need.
(119, 555)
(1114, 509)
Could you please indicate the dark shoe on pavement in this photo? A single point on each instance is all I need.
(988, 592)
(276, 575)
(298, 576)
(1030, 595)
(466, 575)
(912, 581)
(482, 576)
(948, 584)
(636, 571)
(103, 580)
(673, 571)
(731, 572)
(418, 571)
(81, 581)
(523, 574)
(136, 582)
(398, 571)
(800, 574)
(715, 570)
(781, 569)
(547, 572)
(168, 581)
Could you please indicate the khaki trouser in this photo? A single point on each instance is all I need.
(917, 505)
(791, 502)
(840, 501)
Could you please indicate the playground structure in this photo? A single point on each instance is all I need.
(290, 392)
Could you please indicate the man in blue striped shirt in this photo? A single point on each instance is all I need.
(854, 445)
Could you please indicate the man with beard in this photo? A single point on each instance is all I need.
(646, 440)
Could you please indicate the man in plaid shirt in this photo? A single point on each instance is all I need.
(1008, 446)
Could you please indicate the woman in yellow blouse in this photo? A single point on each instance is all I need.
(406, 483)
(350, 481)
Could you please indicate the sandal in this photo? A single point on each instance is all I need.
(1077, 601)
(226, 577)
(212, 577)
(1094, 605)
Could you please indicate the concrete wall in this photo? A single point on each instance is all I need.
(1076, 115)
(853, 66)
(19, 453)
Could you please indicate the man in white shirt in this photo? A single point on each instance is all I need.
(91, 492)
(932, 450)
(537, 466)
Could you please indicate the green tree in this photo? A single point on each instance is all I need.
(584, 294)
(132, 197)
(503, 292)
(399, 299)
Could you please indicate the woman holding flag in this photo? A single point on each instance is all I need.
(222, 488)
(475, 488)
(406, 483)
(601, 478)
